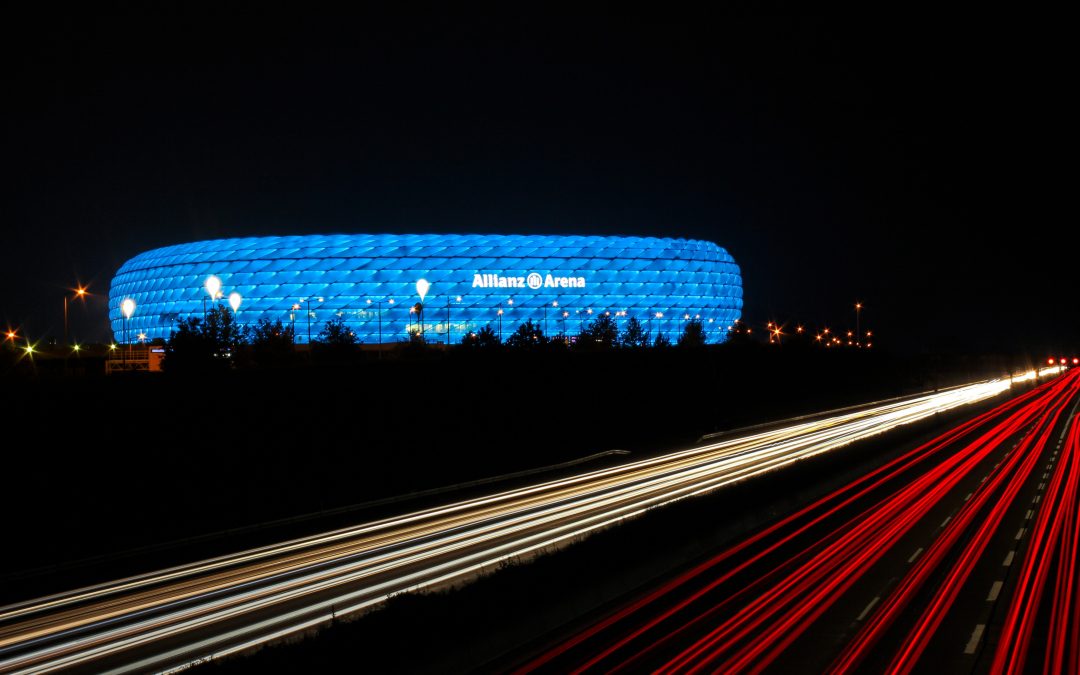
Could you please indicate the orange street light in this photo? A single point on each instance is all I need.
(858, 313)
(80, 293)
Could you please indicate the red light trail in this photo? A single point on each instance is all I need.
(748, 606)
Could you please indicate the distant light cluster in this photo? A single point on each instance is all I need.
(371, 282)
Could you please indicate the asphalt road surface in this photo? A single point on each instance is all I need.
(958, 556)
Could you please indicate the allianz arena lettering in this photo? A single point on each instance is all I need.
(533, 281)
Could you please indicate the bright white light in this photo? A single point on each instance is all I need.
(234, 301)
(213, 286)
(422, 287)
(127, 307)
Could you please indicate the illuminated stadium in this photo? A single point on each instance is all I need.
(370, 281)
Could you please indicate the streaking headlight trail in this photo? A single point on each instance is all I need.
(172, 618)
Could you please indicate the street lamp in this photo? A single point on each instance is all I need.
(457, 299)
(213, 289)
(378, 311)
(127, 308)
(308, 301)
(80, 293)
(554, 303)
(858, 312)
(500, 313)
(234, 301)
(659, 324)
(422, 287)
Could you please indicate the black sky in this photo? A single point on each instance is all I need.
(920, 162)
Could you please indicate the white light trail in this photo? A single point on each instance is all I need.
(232, 602)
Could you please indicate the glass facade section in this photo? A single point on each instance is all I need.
(561, 282)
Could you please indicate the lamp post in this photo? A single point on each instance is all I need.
(213, 288)
(422, 287)
(659, 325)
(858, 333)
(80, 293)
(500, 313)
(127, 308)
(457, 299)
(378, 309)
(234, 301)
(308, 302)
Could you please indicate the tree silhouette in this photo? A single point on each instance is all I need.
(335, 342)
(601, 333)
(693, 334)
(271, 343)
(634, 335)
(198, 345)
(527, 336)
(485, 338)
(337, 333)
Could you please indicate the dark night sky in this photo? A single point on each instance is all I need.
(916, 162)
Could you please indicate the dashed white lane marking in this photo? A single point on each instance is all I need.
(914, 555)
(1028, 516)
(1009, 559)
(1041, 486)
(994, 590)
(868, 608)
(1036, 500)
(968, 497)
(945, 522)
(976, 635)
(1020, 533)
(984, 479)
(1045, 475)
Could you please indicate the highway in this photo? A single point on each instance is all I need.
(173, 618)
(960, 555)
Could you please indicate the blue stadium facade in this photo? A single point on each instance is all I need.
(370, 281)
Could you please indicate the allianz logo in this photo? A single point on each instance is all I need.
(533, 280)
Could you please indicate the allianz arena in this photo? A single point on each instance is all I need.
(370, 281)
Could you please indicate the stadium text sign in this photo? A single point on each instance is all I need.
(533, 280)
